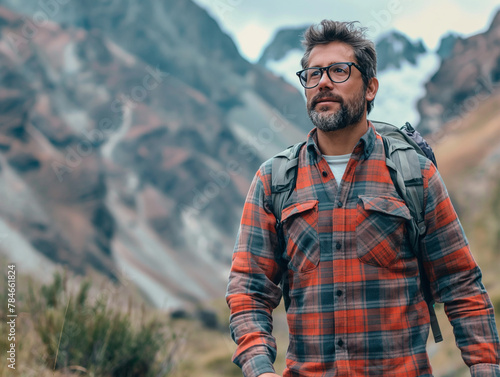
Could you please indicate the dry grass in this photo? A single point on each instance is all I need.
(102, 337)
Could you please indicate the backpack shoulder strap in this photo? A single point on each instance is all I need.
(404, 167)
(284, 177)
(284, 169)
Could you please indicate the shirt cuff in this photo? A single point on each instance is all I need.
(485, 370)
(258, 365)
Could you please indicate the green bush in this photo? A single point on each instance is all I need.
(106, 342)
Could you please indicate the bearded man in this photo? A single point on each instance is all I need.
(349, 278)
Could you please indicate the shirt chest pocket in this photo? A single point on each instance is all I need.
(300, 230)
(381, 229)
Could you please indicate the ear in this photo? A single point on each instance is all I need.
(371, 89)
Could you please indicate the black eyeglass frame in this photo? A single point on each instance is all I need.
(327, 69)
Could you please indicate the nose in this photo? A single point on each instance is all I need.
(325, 82)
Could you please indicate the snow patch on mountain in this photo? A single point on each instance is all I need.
(400, 90)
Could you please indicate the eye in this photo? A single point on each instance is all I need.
(342, 68)
(315, 72)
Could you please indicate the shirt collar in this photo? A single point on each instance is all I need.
(365, 145)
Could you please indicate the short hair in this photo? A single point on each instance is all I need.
(347, 32)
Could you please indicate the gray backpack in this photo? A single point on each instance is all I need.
(401, 148)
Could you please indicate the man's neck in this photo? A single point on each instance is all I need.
(340, 142)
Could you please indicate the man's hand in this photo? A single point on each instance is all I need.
(269, 375)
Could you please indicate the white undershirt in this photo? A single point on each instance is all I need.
(338, 164)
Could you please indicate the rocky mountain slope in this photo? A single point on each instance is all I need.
(466, 77)
(124, 142)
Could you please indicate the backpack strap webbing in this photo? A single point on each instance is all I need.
(284, 177)
(404, 168)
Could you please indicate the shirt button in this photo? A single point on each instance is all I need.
(340, 204)
(338, 245)
(325, 174)
(340, 343)
(339, 293)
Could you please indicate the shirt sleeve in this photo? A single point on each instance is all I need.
(253, 290)
(456, 280)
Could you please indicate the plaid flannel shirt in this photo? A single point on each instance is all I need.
(350, 278)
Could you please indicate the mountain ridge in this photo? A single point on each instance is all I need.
(122, 156)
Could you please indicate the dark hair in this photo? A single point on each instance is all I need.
(330, 31)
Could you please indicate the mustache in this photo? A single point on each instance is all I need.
(330, 95)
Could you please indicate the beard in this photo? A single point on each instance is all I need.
(350, 112)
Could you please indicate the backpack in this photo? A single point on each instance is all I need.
(401, 147)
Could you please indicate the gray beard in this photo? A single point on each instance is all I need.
(347, 115)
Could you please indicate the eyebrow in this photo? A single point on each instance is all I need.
(318, 66)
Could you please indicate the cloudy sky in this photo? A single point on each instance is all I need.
(252, 23)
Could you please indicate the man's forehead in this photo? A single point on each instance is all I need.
(332, 52)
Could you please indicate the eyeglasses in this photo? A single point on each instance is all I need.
(337, 72)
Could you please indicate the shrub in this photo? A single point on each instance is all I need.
(104, 341)
(208, 318)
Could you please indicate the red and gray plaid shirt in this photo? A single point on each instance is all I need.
(354, 307)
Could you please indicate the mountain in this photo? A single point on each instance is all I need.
(467, 76)
(130, 132)
(394, 49)
(285, 40)
(447, 44)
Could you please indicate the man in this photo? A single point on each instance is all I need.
(351, 281)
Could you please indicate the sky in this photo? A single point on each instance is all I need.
(252, 23)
